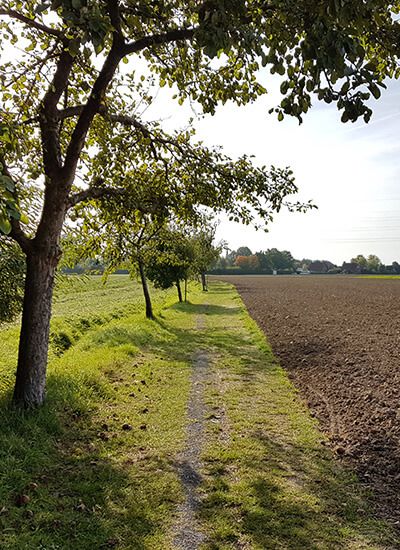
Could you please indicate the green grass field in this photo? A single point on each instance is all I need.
(96, 466)
(379, 276)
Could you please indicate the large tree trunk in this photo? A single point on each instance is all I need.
(204, 282)
(178, 286)
(185, 290)
(146, 293)
(30, 383)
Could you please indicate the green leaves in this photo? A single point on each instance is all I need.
(5, 225)
(12, 275)
(6, 183)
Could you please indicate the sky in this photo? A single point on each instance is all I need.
(350, 171)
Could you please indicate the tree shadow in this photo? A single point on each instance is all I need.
(60, 485)
(204, 309)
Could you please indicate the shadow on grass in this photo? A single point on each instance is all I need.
(264, 493)
(204, 309)
(59, 485)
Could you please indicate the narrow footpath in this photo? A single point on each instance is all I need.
(188, 535)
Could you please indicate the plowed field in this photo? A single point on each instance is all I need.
(339, 339)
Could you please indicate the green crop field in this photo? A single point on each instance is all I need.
(379, 276)
(98, 465)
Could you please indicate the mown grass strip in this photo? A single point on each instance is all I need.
(270, 482)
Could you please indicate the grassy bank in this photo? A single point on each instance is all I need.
(96, 466)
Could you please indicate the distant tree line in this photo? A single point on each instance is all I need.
(272, 260)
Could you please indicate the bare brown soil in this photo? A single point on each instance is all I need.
(339, 339)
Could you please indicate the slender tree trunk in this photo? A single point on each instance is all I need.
(178, 286)
(204, 282)
(30, 382)
(185, 290)
(146, 293)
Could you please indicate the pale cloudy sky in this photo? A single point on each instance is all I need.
(351, 171)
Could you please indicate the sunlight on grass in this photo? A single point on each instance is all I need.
(95, 468)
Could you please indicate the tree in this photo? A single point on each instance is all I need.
(65, 93)
(396, 267)
(12, 275)
(360, 260)
(206, 254)
(172, 260)
(263, 261)
(243, 251)
(279, 260)
(373, 263)
(250, 263)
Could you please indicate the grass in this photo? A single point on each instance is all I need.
(96, 466)
(379, 276)
(269, 482)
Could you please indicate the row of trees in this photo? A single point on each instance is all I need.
(72, 138)
(166, 253)
(168, 257)
(282, 261)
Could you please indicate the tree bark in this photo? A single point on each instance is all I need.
(30, 385)
(204, 282)
(185, 290)
(146, 293)
(178, 286)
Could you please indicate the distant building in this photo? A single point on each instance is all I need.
(320, 266)
(351, 268)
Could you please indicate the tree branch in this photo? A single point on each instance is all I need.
(115, 16)
(19, 236)
(69, 112)
(49, 123)
(34, 24)
(91, 108)
(173, 35)
(92, 193)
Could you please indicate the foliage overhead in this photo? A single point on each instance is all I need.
(56, 95)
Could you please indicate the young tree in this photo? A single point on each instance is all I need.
(205, 253)
(59, 95)
(173, 260)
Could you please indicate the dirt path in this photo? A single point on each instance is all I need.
(188, 535)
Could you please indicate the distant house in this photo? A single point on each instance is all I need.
(351, 268)
(320, 266)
